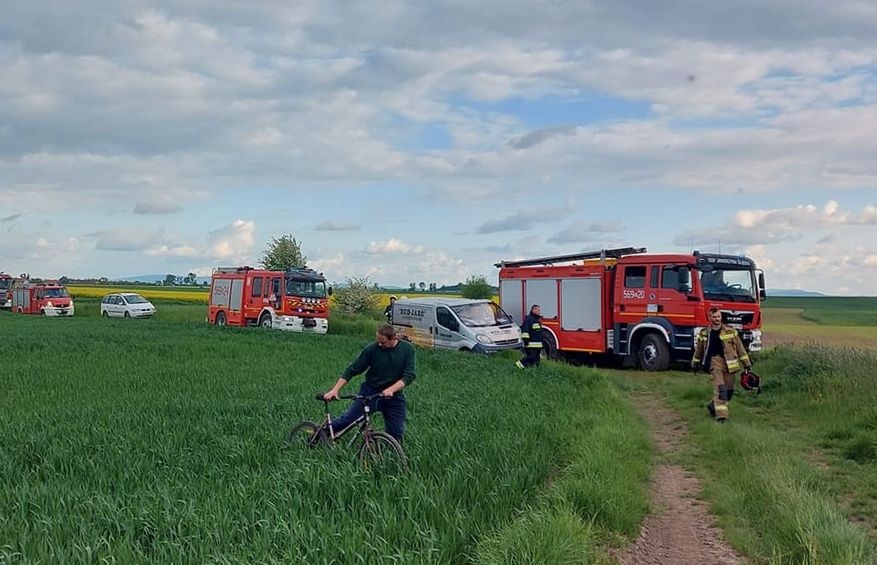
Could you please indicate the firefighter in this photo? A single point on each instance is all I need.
(391, 367)
(388, 311)
(531, 333)
(718, 349)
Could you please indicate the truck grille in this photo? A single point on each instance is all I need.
(505, 341)
(743, 318)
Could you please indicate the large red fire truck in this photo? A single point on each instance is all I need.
(645, 308)
(48, 298)
(295, 299)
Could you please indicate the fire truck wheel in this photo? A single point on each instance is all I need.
(265, 320)
(654, 355)
(220, 319)
(549, 349)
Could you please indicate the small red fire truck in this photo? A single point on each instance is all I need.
(645, 308)
(47, 298)
(295, 300)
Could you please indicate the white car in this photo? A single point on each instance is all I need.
(125, 305)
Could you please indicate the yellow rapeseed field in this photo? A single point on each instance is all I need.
(157, 293)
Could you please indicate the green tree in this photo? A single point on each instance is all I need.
(476, 287)
(190, 279)
(169, 280)
(357, 296)
(283, 253)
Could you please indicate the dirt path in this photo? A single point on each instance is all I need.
(680, 529)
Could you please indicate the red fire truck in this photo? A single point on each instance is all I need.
(645, 308)
(47, 298)
(296, 299)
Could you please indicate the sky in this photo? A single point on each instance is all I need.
(426, 141)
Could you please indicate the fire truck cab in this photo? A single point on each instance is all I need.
(47, 298)
(6, 290)
(294, 300)
(645, 308)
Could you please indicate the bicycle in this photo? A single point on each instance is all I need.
(378, 449)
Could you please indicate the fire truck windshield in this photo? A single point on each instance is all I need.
(55, 293)
(5, 284)
(481, 314)
(308, 288)
(733, 285)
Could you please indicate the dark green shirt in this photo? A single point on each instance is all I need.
(385, 366)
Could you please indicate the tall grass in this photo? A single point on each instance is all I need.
(161, 440)
(793, 476)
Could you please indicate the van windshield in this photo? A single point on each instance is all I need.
(481, 314)
(56, 293)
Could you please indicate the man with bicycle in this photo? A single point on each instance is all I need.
(389, 366)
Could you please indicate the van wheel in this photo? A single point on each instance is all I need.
(549, 349)
(105, 314)
(220, 320)
(653, 353)
(265, 320)
(127, 314)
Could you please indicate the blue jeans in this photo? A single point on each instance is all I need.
(393, 409)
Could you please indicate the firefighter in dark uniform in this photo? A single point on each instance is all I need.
(388, 311)
(531, 333)
(718, 349)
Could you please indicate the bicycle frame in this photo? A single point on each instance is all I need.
(363, 422)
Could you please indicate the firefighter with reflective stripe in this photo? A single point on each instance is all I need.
(718, 349)
(531, 333)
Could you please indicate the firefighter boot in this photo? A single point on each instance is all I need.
(711, 408)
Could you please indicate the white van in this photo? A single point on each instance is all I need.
(455, 323)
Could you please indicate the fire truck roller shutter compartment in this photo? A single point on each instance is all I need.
(221, 293)
(544, 293)
(511, 298)
(582, 304)
(237, 294)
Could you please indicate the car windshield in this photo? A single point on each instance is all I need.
(135, 299)
(481, 314)
(55, 293)
(728, 284)
(311, 288)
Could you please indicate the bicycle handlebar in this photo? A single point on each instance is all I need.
(350, 397)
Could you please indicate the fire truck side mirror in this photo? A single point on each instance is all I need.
(684, 279)
(330, 291)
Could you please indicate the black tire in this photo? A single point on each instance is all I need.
(653, 353)
(220, 319)
(265, 321)
(549, 349)
(305, 434)
(127, 315)
(381, 451)
(105, 314)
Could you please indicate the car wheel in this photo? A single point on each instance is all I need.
(127, 314)
(105, 314)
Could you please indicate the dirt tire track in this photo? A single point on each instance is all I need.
(680, 530)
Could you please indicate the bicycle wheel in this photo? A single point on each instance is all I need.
(380, 450)
(306, 434)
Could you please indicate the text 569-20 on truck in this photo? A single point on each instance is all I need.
(644, 307)
(295, 299)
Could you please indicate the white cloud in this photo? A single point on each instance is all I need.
(157, 205)
(392, 246)
(126, 239)
(234, 242)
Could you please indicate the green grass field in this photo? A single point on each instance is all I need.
(161, 440)
(830, 310)
(840, 322)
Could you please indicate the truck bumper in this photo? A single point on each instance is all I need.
(296, 324)
(59, 312)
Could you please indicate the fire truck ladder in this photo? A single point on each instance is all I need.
(603, 254)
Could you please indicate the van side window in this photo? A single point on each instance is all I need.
(634, 277)
(444, 317)
(257, 286)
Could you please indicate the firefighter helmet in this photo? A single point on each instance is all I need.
(750, 381)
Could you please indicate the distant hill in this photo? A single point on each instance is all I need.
(151, 279)
(792, 292)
